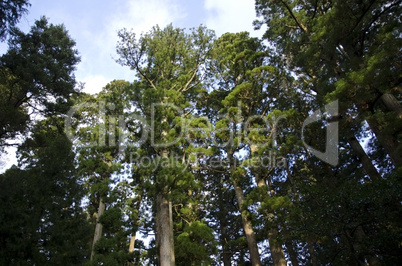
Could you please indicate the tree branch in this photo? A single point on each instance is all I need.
(185, 88)
(301, 26)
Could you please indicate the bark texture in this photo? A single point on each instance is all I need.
(164, 231)
(389, 141)
(247, 226)
(98, 227)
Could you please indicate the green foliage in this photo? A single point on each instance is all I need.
(203, 125)
(41, 218)
(346, 51)
(36, 71)
(10, 13)
(195, 245)
(46, 55)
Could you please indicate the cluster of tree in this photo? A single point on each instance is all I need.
(204, 158)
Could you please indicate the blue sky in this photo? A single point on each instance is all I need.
(94, 25)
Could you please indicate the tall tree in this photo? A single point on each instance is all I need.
(356, 61)
(36, 76)
(232, 62)
(168, 64)
(95, 123)
(344, 50)
(37, 79)
(42, 218)
(248, 83)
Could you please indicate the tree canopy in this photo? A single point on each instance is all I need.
(221, 150)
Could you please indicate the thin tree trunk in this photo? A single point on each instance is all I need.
(98, 227)
(289, 245)
(292, 253)
(135, 222)
(223, 236)
(226, 256)
(164, 225)
(132, 241)
(368, 166)
(388, 142)
(360, 236)
(277, 252)
(247, 226)
(313, 257)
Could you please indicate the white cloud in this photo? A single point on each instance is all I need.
(94, 84)
(231, 16)
(98, 65)
(141, 15)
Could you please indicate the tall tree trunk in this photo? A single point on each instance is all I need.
(388, 141)
(277, 253)
(247, 226)
(392, 104)
(136, 211)
(226, 256)
(223, 236)
(98, 227)
(164, 219)
(132, 242)
(288, 242)
(164, 225)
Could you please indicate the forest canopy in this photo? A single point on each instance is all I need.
(221, 150)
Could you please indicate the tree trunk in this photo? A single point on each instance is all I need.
(226, 255)
(368, 166)
(388, 141)
(164, 219)
(98, 227)
(360, 237)
(313, 257)
(292, 253)
(132, 241)
(277, 253)
(392, 104)
(247, 226)
(164, 225)
(136, 211)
